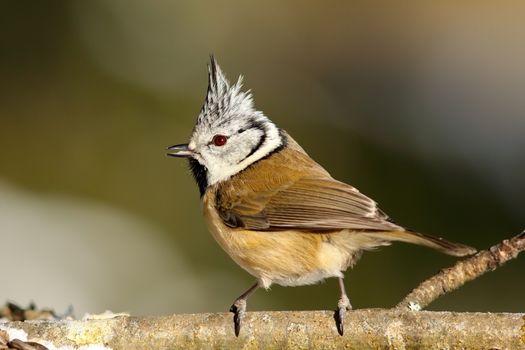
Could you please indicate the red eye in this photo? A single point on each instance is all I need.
(219, 140)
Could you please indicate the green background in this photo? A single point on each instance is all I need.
(420, 107)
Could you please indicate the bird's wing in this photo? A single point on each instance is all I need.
(298, 194)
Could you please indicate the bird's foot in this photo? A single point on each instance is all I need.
(239, 310)
(342, 306)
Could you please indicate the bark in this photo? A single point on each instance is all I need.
(364, 329)
(462, 272)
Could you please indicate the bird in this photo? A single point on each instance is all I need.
(273, 209)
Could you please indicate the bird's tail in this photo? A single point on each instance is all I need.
(444, 246)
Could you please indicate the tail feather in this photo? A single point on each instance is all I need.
(439, 244)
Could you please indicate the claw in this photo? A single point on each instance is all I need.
(342, 306)
(339, 317)
(239, 310)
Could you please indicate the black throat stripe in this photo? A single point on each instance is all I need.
(200, 174)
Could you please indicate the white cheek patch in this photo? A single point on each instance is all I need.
(221, 169)
(240, 146)
(257, 139)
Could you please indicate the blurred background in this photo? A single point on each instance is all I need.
(421, 106)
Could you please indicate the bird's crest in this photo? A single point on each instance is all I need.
(222, 99)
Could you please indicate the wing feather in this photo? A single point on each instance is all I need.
(303, 196)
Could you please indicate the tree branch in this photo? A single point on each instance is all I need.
(462, 272)
(365, 329)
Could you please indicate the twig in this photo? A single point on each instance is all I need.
(462, 272)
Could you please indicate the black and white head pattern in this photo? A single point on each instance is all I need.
(229, 134)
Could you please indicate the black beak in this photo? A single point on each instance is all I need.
(181, 151)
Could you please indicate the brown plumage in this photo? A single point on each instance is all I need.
(273, 209)
(301, 195)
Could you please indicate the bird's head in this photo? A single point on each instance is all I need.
(230, 134)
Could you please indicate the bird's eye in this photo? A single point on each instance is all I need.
(219, 140)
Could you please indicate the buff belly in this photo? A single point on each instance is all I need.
(287, 258)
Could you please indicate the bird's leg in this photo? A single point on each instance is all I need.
(342, 305)
(239, 307)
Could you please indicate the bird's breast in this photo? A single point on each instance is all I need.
(287, 258)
